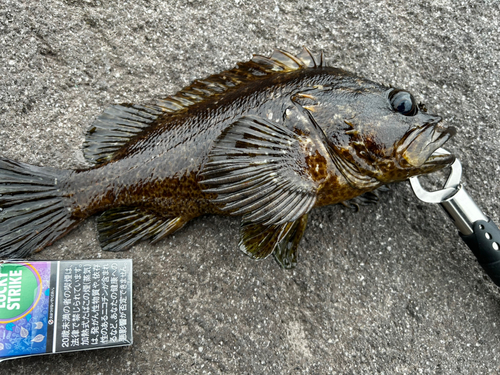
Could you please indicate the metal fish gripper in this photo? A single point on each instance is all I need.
(478, 231)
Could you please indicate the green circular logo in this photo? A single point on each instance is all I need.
(20, 291)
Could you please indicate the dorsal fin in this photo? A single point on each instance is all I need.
(121, 123)
(258, 66)
(117, 125)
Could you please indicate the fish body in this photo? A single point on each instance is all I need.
(269, 140)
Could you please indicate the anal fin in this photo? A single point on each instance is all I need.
(260, 240)
(121, 228)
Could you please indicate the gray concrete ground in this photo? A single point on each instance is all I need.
(388, 290)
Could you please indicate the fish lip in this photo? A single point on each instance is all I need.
(441, 135)
(423, 142)
(436, 160)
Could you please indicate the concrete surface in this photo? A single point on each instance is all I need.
(388, 290)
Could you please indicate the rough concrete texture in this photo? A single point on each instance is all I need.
(388, 290)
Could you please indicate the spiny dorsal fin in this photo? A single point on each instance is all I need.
(120, 123)
(258, 66)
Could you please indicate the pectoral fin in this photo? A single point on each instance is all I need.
(262, 170)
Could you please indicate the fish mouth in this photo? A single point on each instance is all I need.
(420, 145)
(438, 160)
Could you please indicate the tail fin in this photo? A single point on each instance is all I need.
(33, 213)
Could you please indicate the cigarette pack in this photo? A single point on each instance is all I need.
(61, 306)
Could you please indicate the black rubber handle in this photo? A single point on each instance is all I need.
(485, 244)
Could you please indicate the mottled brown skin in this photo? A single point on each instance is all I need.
(352, 141)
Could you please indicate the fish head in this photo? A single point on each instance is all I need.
(381, 131)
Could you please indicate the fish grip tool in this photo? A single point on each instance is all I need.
(478, 231)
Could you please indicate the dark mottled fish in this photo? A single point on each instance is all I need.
(269, 140)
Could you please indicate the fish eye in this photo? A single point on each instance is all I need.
(403, 102)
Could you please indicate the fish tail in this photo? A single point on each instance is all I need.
(33, 209)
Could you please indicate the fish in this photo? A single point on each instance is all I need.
(268, 140)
